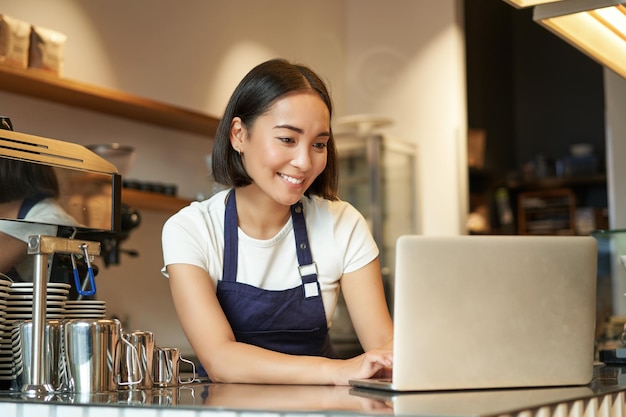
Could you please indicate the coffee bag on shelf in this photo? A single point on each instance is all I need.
(14, 41)
(46, 49)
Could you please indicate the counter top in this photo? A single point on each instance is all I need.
(605, 396)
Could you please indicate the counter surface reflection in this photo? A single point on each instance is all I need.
(605, 395)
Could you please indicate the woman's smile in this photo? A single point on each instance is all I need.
(290, 179)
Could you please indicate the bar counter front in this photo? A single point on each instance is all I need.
(603, 397)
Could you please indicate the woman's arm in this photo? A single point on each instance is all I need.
(365, 298)
(227, 360)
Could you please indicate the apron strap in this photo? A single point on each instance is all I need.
(27, 204)
(307, 268)
(231, 239)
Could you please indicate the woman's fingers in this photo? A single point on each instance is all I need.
(374, 363)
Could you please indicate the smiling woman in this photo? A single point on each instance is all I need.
(255, 271)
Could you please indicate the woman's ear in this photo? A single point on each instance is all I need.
(237, 134)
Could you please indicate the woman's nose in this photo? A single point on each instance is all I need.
(302, 158)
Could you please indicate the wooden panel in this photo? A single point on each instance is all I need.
(39, 84)
(142, 200)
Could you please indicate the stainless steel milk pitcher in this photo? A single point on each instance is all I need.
(92, 355)
(166, 370)
(143, 344)
(22, 351)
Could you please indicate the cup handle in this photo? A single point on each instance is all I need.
(135, 360)
(193, 366)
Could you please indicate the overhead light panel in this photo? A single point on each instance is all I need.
(596, 27)
(526, 3)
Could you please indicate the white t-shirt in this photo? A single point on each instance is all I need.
(42, 219)
(339, 238)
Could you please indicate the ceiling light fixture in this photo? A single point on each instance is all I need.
(596, 27)
(525, 3)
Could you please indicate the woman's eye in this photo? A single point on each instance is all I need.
(320, 145)
(286, 140)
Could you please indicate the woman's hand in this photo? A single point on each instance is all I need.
(371, 364)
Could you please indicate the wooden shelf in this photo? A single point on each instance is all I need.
(558, 182)
(39, 84)
(153, 201)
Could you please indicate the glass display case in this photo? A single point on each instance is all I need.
(611, 289)
(377, 175)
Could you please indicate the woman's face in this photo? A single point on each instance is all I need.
(285, 150)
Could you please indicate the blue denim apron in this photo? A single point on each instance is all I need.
(290, 321)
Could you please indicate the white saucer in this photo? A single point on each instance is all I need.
(26, 309)
(76, 309)
(85, 316)
(94, 302)
(27, 297)
(28, 304)
(61, 285)
(49, 291)
(18, 317)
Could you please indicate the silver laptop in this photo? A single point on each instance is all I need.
(474, 312)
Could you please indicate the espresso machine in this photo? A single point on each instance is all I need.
(89, 192)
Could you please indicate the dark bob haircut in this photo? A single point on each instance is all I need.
(20, 180)
(256, 93)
